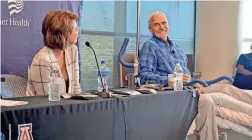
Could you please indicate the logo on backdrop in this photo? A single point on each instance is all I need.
(2, 137)
(25, 131)
(15, 6)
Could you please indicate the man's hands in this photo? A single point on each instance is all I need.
(186, 79)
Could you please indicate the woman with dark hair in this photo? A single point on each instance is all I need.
(243, 78)
(60, 32)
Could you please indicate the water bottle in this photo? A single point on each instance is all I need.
(104, 75)
(178, 78)
(54, 86)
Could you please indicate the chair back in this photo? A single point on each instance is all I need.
(12, 86)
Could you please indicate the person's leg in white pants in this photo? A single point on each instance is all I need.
(230, 90)
(206, 127)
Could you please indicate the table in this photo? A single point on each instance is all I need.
(163, 116)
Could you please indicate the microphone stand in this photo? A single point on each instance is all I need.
(103, 88)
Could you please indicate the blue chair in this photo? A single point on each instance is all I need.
(13, 86)
(210, 82)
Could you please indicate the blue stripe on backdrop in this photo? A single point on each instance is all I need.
(21, 36)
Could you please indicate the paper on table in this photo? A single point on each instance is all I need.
(69, 95)
(125, 91)
(12, 103)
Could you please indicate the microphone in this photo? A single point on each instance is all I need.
(88, 45)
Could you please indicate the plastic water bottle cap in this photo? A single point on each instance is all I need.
(223, 133)
(102, 62)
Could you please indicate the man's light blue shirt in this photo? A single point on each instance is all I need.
(157, 60)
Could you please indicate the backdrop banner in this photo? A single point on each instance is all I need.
(21, 36)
